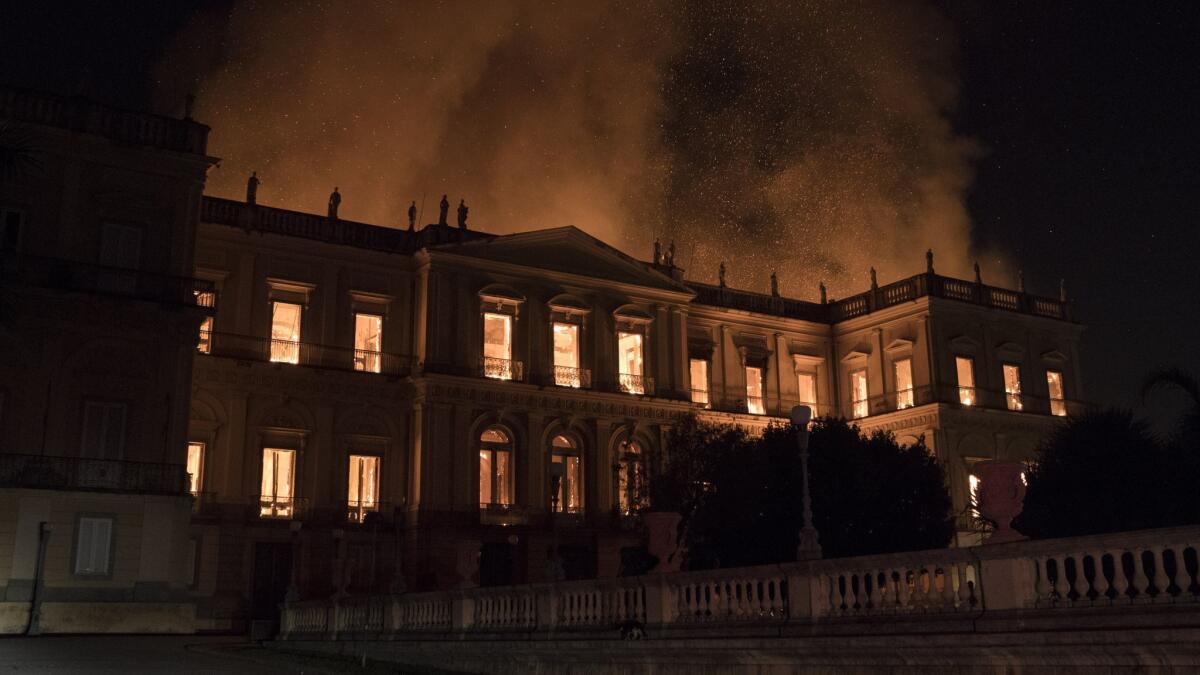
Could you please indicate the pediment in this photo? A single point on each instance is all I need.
(964, 343)
(899, 345)
(1054, 355)
(855, 355)
(568, 250)
(1010, 348)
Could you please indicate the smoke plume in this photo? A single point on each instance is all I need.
(812, 138)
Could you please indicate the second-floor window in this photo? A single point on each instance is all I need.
(205, 299)
(806, 384)
(699, 372)
(368, 342)
(1012, 387)
(629, 353)
(285, 331)
(103, 430)
(566, 355)
(497, 346)
(195, 467)
(1058, 398)
(904, 383)
(965, 368)
(495, 468)
(860, 405)
(362, 491)
(278, 483)
(754, 391)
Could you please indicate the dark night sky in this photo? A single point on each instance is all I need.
(1088, 116)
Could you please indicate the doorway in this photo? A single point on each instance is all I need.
(272, 574)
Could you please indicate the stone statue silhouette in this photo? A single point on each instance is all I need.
(657, 252)
(721, 274)
(824, 297)
(1021, 281)
(335, 200)
(929, 261)
(671, 254)
(462, 214)
(252, 188)
(412, 216)
(443, 209)
(874, 279)
(978, 276)
(774, 284)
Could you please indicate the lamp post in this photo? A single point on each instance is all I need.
(809, 547)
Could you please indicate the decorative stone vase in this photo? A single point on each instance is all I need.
(663, 530)
(1001, 496)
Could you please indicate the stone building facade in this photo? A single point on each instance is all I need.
(465, 406)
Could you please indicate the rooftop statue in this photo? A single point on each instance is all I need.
(824, 298)
(929, 261)
(252, 188)
(443, 209)
(658, 257)
(335, 200)
(412, 216)
(721, 274)
(671, 254)
(774, 284)
(978, 276)
(462, 214)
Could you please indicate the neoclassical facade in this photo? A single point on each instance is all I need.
(465, 406)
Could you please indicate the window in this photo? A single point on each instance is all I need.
(495, 468)
(566, 355)
(368, 342)
(278, 483)
(497, 346)
(904, 383)
(362, 495)
(631, 477)
(205, 299)
(10, 229)
(195, 467)
(103, 430)
(569, 498)
(121, 246)
(858, 393)
(807, 387)
(629, 353)
(93, 546)
(965, 366)
(285, 332)
(1058, 399)
(1012, 386)
(699, 370)
(754, 391)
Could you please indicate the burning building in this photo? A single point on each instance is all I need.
(371, 408)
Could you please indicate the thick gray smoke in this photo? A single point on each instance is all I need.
(808, 137)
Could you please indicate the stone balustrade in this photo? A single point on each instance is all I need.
(1026, 580)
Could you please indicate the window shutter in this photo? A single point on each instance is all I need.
(92, 549)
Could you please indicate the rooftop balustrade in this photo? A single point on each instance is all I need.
(80, 473)
(1099, 580)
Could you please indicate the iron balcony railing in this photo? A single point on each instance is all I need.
(73, 275)
(501, 369)
(281, 507)
(578, 378)
(364, 512)
(79, 473)
(250, 348)
(636, 384)
(965, 397)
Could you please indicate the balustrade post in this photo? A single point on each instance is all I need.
(660, 605)
(804, 594)
(1007, 583)
(462, 611)
(546, 604)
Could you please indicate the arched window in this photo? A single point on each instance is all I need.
(564, 453)
(631, 478)
(495, 468)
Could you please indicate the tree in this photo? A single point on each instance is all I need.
(743, 507)
(1187, 432)
(1105, 472)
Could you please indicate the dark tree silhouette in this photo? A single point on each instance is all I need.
(1105, 472)
(740, 497)
(1187, 431)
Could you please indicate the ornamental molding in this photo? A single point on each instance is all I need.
(551, 404)
(308, 383)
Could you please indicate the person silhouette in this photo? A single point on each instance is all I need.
(462, 214)
(335, 200)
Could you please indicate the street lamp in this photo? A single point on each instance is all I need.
(809, 547)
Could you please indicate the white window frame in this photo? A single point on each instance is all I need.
(508, 481)
(276, 505)
(1058, 404)
(356, 511)
(700, 395)
(1012, 398)
(88, 559)
(905, 397)
(561, 455)
(860, 407)
(755, 405)
(196, 481)
(368, 360)
(967, 393)
(286, 350)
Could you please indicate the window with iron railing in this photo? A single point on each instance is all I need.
(362, 492)
(631, 478)
(698, 369)
(497, 346)
(629, 351)
(285, 332)
(859, 394)
(567, 372)
(902, 369)
(368, 342)
(195, 467)
(754, 391)
(1012, 387)
(495, 468)
(807, 388)
(205, 299)
(278, 483)
(965, 369)
(569, 496)
(1058, 398)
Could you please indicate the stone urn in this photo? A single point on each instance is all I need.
(663, 530)
(1001, 496)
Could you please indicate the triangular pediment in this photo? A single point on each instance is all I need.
(568, 250)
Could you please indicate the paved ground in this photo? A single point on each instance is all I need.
(178, 655)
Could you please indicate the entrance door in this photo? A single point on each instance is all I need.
(272, 574)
